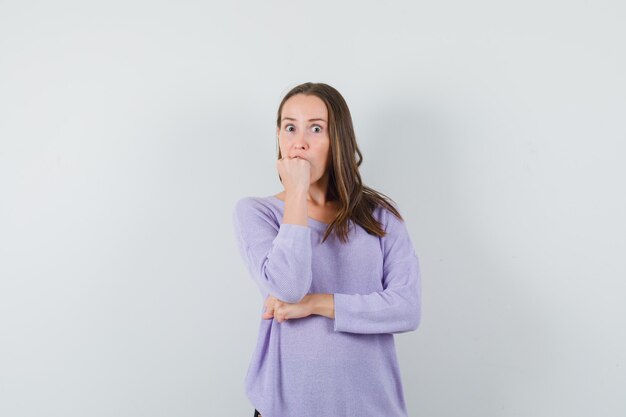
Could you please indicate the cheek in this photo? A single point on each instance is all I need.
(322, 149)
(317, 158)
(323, 153)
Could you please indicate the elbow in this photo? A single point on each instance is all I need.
(415, 310)
(409, 312)
(290, 294)
(414, 322)
(290, 298)
(409, 320)
(290, 289)
(414, 317)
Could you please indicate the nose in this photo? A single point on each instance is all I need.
(299, 141)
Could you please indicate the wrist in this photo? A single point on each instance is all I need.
(296, 194)
(323, 305)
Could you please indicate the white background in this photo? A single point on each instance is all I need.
(128, 129)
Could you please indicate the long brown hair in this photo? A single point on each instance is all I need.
(356, 201)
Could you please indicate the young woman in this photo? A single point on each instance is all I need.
(336, 269)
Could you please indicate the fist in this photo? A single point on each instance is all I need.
(295, 173)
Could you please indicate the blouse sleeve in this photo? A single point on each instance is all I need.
(396, 309)
(278, 256)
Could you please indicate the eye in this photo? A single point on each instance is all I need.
(317, 126)
(287, 128)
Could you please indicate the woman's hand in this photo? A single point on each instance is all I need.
(295, 174)
(283, 311)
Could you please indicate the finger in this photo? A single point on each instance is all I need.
(266, 309)
(268, 314)
(280, 314)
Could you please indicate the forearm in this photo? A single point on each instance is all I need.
(296, 208)
(323, 305)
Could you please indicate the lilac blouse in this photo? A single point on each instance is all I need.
(316, 366)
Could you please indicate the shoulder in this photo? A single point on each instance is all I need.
(386, 217)
(252, 209)
(247, 203)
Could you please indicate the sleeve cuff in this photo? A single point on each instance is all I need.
(338, 321)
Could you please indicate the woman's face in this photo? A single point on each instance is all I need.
(303, 132)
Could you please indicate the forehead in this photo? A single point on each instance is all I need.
(303, 107)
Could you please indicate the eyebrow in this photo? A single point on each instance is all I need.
(310, 120)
